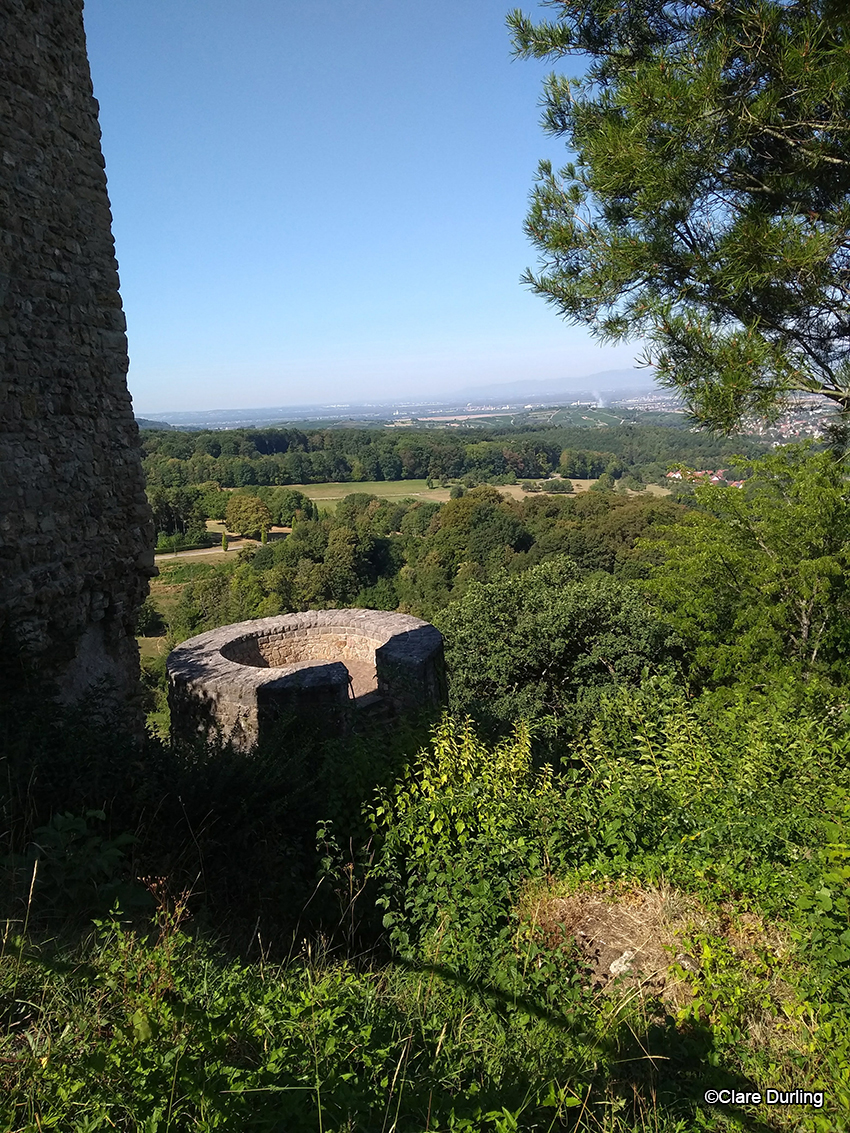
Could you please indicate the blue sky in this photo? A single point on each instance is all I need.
(322, 200)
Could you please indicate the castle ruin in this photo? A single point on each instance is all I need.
(76, 538)
(331, 667)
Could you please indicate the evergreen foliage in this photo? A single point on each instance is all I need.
(708, 205)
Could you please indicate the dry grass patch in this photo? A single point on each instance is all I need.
(628, 939)
(153, 646)
(645, 941)
(516, 492)
(330, 493)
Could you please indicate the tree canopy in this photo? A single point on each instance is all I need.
(541, 646)
(707, 210)
(756, 580)
(247, 515)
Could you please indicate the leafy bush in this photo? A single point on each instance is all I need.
(476, 1022)
(756, 579)
(149, 621)
(542, 645)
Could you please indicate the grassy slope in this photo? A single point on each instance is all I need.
(484, 1019)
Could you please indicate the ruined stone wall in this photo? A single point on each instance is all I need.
(75, 530)
(234, 683)
(313, 643)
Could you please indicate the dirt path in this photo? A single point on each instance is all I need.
(234, 544)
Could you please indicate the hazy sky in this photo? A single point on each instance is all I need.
(323, 200)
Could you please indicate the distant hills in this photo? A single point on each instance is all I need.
(607, 382)
(605, 386)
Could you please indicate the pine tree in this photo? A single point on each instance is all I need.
(707, 210)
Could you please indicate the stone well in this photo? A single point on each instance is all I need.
(326, 666)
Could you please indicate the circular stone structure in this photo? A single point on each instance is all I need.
(234, 683)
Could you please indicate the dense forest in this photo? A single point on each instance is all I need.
(416, 555)
(242, 457)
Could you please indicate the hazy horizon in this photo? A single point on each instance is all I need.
(601, 385)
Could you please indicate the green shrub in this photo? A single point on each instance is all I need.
(542, 645)
(149, 621)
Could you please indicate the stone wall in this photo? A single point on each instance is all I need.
(307, 643)
(235, 682)
(76, 539)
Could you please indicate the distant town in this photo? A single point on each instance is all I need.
(805, 418)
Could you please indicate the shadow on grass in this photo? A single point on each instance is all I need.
(235, 837)
(380, 1061)
(231, 836)
(659, 1072)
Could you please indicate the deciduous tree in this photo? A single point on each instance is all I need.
(757, 579)
(247, 515)
(537, 645)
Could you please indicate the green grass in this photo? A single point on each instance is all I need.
(167, 586)
(330, 494)
(151, 647)
(590, 416)
(177, 571)
(468, 1014)
(164, 1034)
(386, 489)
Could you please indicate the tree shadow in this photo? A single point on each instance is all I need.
(659, 1071)
(232, 835)
(235, 836)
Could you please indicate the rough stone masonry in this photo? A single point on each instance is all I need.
(76, 539)
(236, 683)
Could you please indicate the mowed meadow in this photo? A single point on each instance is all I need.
(418, 489)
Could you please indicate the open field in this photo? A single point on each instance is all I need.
(386, 489)
(216, 554)
(588, 416)
(416, 489)
(152, 647)
(516, 493)
(205, 555)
